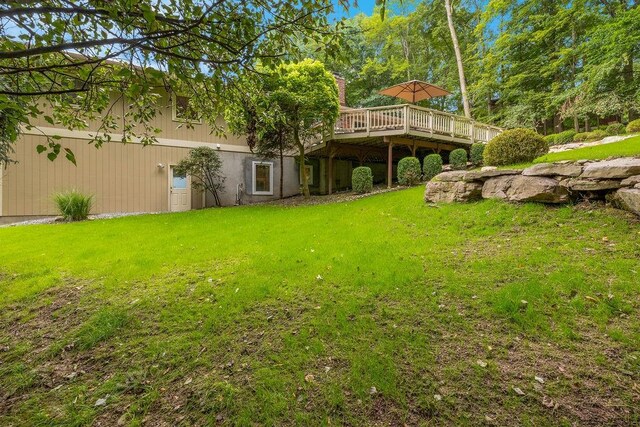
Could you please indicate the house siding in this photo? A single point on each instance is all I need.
(125, 177)
(121, 177)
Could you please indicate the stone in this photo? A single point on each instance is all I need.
(520, 188)
(627, 199)
(553, 169)
(616, 168)
(451, 176)
(449, 192)
(488, 168)
(580, 184)
(631, 181)
(484, 175)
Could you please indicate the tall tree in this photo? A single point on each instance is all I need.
(458, 53)
(290, 109)
(307, 97)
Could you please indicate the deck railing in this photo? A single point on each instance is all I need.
(407, 118)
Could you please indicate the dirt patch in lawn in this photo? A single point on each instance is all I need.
(45, 320)
(515, 379)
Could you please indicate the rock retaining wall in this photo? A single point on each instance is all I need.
(617, 180)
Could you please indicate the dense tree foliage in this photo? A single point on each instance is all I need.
(80, 57)
(287, 110)
(551, 64)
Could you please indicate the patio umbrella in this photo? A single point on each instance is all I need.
(414, 91)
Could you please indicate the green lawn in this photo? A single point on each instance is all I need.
(381, 311)
(625, 148)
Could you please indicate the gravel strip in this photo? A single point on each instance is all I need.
(58, 219)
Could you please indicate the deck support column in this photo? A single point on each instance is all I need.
(330, 169)
(389, 163)
(413, 150)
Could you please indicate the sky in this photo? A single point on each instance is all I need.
(366, 7)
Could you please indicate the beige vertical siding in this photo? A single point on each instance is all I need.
(122, 177)
(171, 129)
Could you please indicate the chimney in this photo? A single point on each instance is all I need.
(341, 89)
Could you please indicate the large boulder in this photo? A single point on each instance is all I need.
(631, 181)
(581, 184)
(553, 169)
(609, 169)
(451, 176)
(519, 188)
(628, 199)
(483, 175)
(451, 191)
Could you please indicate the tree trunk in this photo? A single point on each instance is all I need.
(281, 173)
(628, 80)
(456, 48)
(303, 175)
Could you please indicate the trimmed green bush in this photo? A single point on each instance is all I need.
(458, 159)
(550, 139)
(73, 205)
(565, 137)
(616, 129)
(580, 137)
(515, 146)
(409, 171)
(432, 166)
(633, 126)
(596, 135)
(477, 152)
(362, 179)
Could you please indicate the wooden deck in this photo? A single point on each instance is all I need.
(389, 133)
(411, 121)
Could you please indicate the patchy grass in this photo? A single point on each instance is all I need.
(379, 311)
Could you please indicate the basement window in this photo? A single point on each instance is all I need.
(262, 178)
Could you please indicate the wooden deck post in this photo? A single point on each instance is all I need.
(389, 163)
(330, 171)
(407, 124)
(413, 149)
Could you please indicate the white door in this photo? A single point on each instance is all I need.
(179, 192)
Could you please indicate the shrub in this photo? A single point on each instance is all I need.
(432, 166)
(616, 128)
(596, 135)
(565, 137)
(362, 179)
(73, 205)
(203, 164)
(458, 159)
(633, 126)
(550, 139)
(515, 146)
(581, 136)
(477, 151)
(409, 171)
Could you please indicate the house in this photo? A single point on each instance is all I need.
(132, 177)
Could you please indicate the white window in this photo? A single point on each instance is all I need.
(262, 178)
(183, 110)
